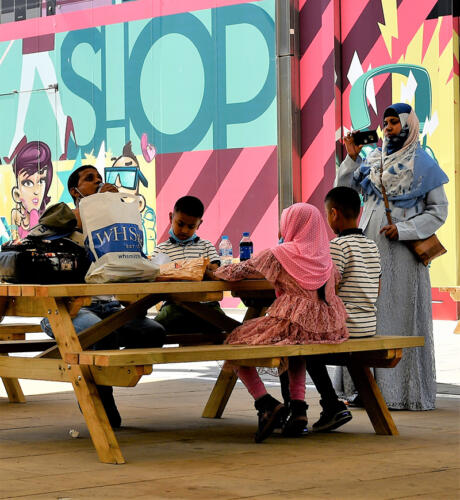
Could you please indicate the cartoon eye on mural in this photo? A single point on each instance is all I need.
(359, 111)
(33, 171)
(126, 174)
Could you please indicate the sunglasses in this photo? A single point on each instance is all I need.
(129, 176)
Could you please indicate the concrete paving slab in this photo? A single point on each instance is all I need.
(173, 453)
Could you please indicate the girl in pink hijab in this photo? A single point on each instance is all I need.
(306, 310)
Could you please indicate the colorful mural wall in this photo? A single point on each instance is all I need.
(406, 51)
(170, 98)
(165, 98)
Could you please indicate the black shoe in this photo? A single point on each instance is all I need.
(106, 395)
(270, 413)
(331, 419)
(297, 422)
(355, 402)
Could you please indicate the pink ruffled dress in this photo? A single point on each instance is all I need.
(297, 316)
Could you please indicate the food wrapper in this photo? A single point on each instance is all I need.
(183, 270)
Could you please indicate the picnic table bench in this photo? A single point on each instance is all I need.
(67, 358)
(455, 295)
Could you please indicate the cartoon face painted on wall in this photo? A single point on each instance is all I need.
(126, 174)
(33, 170)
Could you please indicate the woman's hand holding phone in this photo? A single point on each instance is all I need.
(353, 150)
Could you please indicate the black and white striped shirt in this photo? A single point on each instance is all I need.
(358, 260)
(191, 250)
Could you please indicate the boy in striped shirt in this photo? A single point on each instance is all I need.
(183, 243)
(358, 260)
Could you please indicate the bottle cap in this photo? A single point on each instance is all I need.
(225, 237)
(245, 234)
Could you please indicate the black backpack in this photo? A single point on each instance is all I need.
(56, 259)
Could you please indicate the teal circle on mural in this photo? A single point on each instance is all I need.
(172, 83)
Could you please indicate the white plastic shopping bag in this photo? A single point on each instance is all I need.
(113, 234)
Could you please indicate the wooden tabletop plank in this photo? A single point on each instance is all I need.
(82, 290)
(235, 352)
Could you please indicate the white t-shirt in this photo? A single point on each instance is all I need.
(358, 260)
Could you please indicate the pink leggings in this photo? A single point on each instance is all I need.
(256, 387)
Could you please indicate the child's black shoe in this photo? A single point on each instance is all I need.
(270, 413)
(296, 423)
(332, 418)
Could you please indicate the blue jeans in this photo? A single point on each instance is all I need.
(137, 333)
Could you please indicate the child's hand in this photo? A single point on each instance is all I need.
(209, 274)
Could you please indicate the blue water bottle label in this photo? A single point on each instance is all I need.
(245, 252)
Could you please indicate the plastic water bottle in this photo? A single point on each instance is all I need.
(225, 251)
(246, 247)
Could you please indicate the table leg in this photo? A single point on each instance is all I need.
(226, 381)
(13, 388)
(101, 432)
(220, 394)
(372, 399)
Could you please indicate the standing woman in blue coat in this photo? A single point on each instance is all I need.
(413, 182)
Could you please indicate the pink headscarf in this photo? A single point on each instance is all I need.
(305, 252)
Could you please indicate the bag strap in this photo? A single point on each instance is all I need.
(385, 197)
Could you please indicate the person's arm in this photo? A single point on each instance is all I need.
(346, 173)
(237, 272)
(337, 256)
(426, 223)
(214, 261)
(264, 265)
(213, 256)
(157, 250)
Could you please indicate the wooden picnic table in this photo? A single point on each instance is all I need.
(455, 294)
(65, 359)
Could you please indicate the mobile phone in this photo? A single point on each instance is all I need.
(365, 137)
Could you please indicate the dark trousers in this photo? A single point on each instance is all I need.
(318, 373)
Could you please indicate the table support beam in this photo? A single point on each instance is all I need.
(220, 394)
(13, 388)
(103, 328)
(101, 432)
(372, 399)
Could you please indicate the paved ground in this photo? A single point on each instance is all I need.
(172, 453)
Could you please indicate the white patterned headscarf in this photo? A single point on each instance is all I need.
(397, 155)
